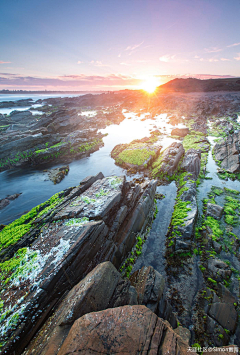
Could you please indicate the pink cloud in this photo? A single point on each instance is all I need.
(238, 57)
(167, 58)
(213, 50)
(2, 62)
(234, 45)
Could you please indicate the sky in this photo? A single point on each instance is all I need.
(115, 44)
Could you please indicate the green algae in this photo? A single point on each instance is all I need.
(17, 267)
(17, 229)
(135, 156)
(215, 226)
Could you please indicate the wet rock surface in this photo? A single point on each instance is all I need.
(99, 220)
(181, 132)
(122, 330)
(57, 175)
(93, 222)
(192, 162)
(5, 201)
(171, 158)
(227, 152)
(138, 154)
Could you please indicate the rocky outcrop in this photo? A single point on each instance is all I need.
(102, 288)
(122, 330)
(138, 154)
(181, 132)
(192, 162)
(95, 221)
(227, 152)
(149, 285)
(171, 158)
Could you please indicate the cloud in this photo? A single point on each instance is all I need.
(2, 62)
(196, 56)
(69, 82)
(79, 62)
(237, 58)
(234, 45)
(135, 46)
(127, 64)
(98, 63)
(119, 55)
(225, 59)
(213, 60)
(167, 58)
(213, 50)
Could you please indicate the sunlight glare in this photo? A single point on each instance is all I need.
(150, 85)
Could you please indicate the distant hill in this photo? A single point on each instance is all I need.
(197, 85)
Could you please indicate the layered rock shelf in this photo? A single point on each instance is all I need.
(93, 222)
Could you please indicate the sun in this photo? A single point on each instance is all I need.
(150, 85)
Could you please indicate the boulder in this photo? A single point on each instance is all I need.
(214, 211)
(138, 154)
(102, 288)
(192, 162)
(122, 330)
(181, 132)
(57, 175)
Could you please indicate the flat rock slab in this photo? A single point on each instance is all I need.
(123, 330)
(96, 202)
(225, 314)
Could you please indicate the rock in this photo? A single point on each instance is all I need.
(170, 159)
(219, 269)
(214, 329)
(184, 333)
(120, 331)
(181, 132)
(5, 201)
(67, 249)
(102, 288)
(192, 162)
(186, 230)
(57, 175)
(227, 152)
(223, 310)
(149, 285)
(216, 246)
(214, 211)
(165, 311)
(138, 154)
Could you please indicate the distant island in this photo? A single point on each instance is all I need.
(48, 92)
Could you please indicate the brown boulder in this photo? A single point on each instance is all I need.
(102, 288)
(123, 330)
